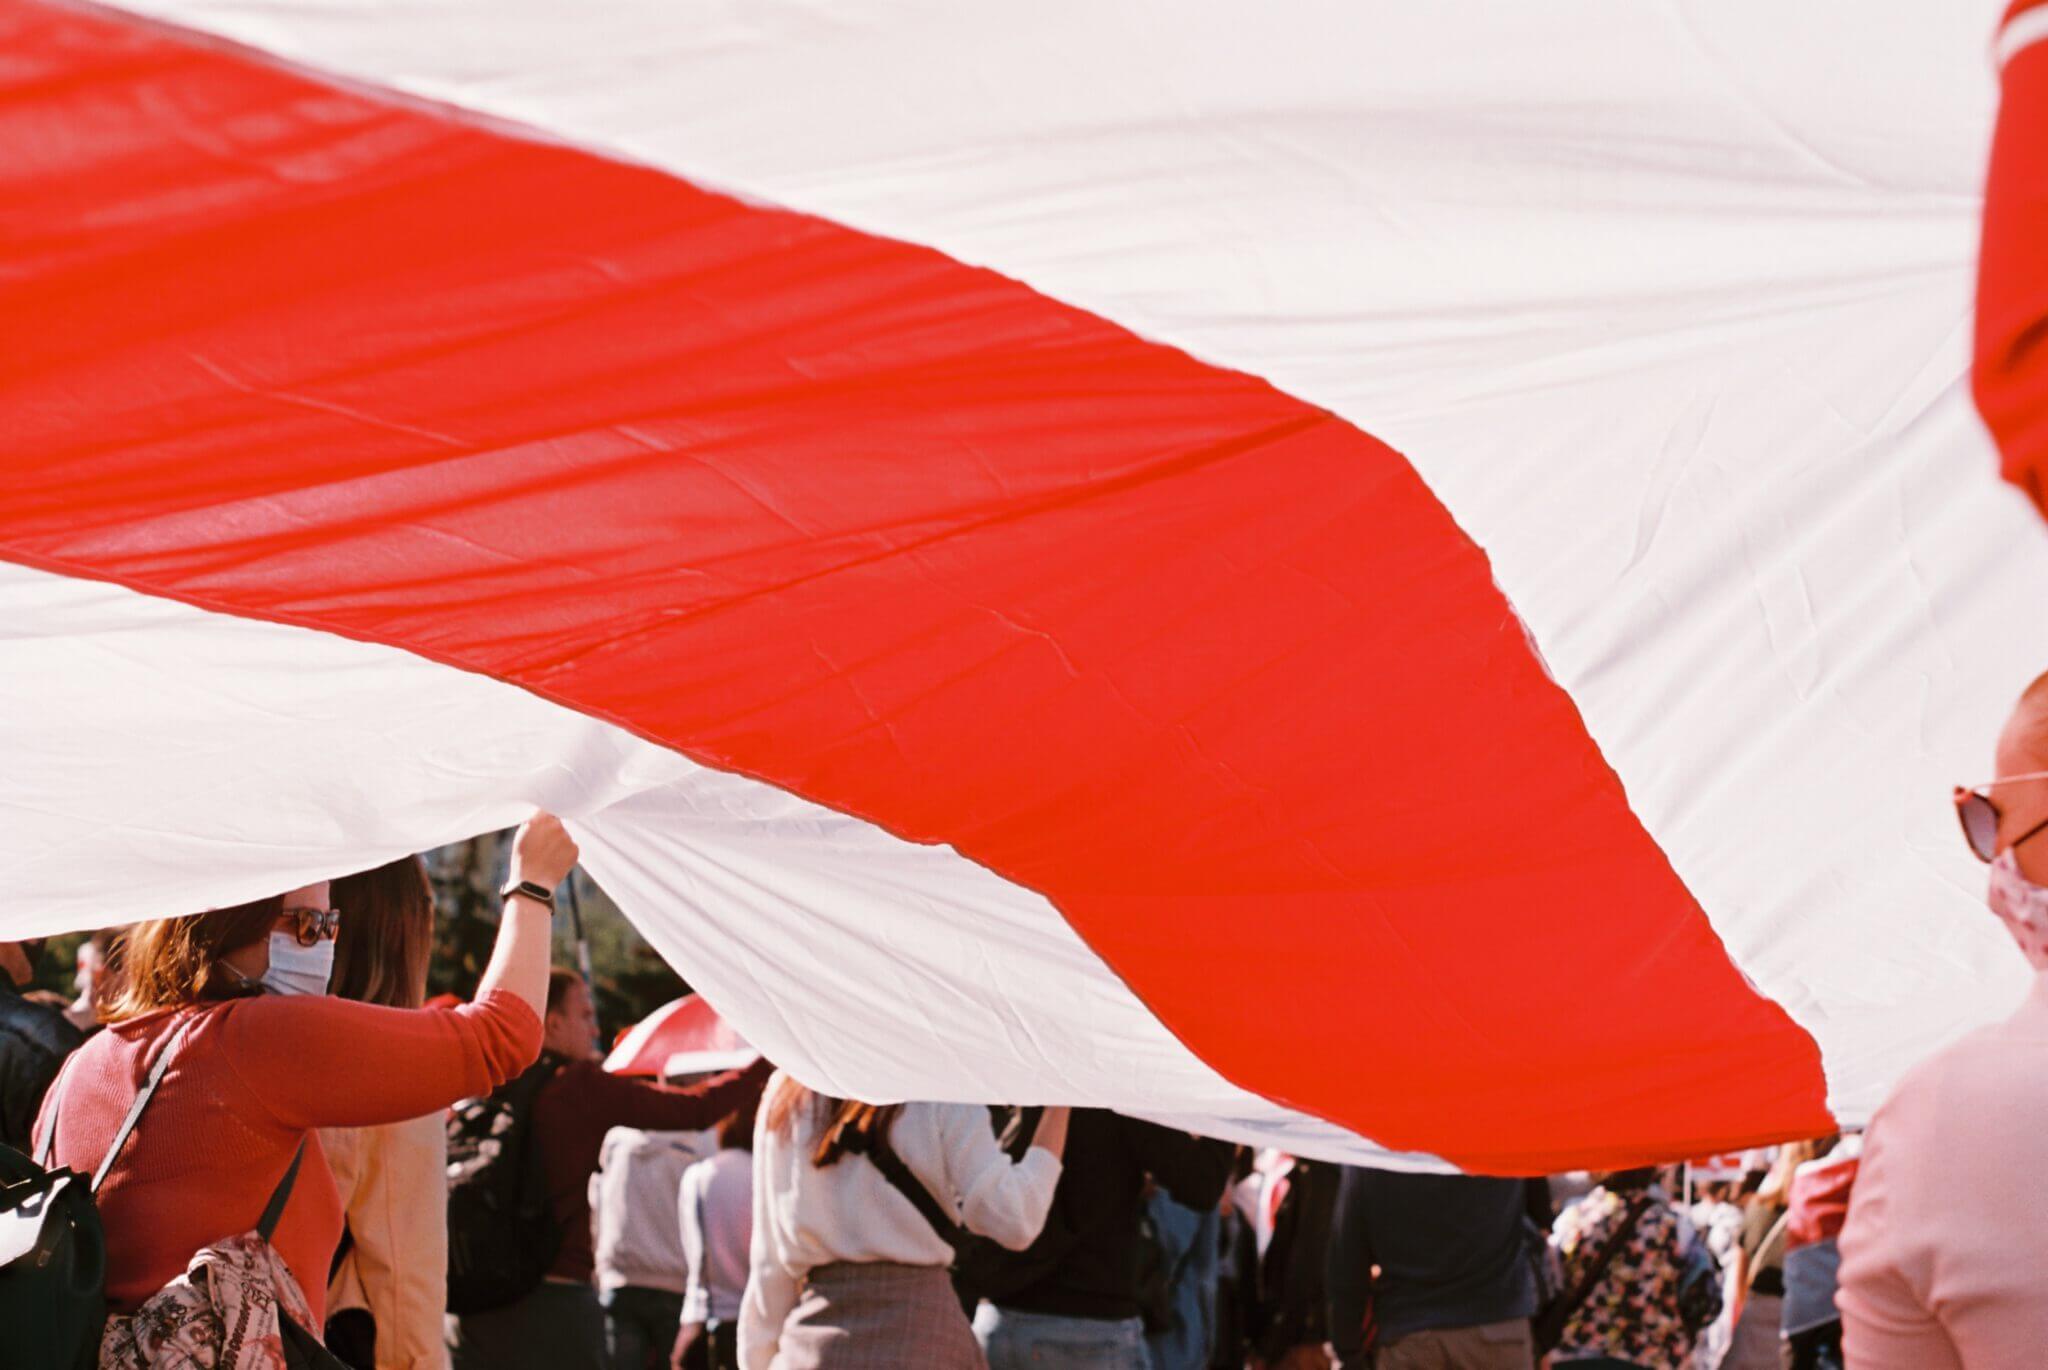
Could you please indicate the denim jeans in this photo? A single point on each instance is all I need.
(640, 1326)
(1014, 1340)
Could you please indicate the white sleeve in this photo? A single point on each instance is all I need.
(771, 1285)
(696, 1298)
(1003, 1201)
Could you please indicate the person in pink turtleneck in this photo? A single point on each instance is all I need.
(1945, 1251)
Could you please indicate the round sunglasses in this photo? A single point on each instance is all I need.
(1979, 816)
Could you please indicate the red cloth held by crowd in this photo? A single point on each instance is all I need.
(583, 1103)
(250, 1079)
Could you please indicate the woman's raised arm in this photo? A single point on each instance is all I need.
(543, 853)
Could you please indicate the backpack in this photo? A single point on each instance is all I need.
(1699, 1287)
(53, 1265)
(502, 1233)
(1157, 1277)
(236, 1307)
(984, 1268)
(53, 1251)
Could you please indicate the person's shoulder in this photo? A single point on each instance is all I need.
(924, 1112)
(269, 1011)
(1989, 1065)
(1661, 1219)
(717, 1170)
(561, 1084)
(630, 1142)
(566, 1076)
(1592, 1213)
(42, 1028)
(946, 1126)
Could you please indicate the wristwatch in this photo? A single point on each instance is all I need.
(539, 894)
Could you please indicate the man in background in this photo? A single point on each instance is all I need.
(1454, 1283)
(1279, 1258)
(560, 1325)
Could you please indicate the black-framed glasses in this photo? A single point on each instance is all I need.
(311, 926)
(1979, 816)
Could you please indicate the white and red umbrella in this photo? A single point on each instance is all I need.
(1402, 581)
(683, 1037)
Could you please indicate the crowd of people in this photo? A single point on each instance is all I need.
(298, 1162)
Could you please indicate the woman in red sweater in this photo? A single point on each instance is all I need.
(255, 1073)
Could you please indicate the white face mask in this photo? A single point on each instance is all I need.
(2023, 906)
(299, 970)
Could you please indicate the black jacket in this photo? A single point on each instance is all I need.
(34, 1040)
(1281, 1295)
(1090, 1243)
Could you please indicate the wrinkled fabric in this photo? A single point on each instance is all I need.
(1363, 405)
(221, 1314)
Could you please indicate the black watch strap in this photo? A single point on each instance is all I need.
(539, 894)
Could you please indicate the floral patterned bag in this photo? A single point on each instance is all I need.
(1551, 1319)
(236, 1307)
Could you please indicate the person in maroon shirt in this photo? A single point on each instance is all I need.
(559, 1326)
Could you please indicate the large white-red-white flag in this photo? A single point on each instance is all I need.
(1407, 581)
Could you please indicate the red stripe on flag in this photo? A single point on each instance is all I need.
(1208, 667)
(2010, 374)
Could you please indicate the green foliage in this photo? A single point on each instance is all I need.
(630, 977)
(59, 963)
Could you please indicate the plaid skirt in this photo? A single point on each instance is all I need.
(878, 1316)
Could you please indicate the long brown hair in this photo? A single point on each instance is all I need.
(387, 934)
(834, 1117)
(173, 962)
(736, 1129)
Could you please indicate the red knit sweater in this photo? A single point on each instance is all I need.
(251, 1078)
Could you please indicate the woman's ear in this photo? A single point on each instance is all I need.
(253, 960)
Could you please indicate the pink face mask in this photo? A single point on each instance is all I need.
(2023, 906)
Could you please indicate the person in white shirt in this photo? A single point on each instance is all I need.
(845, 1271)
(636, 1247)
(717, 1209)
